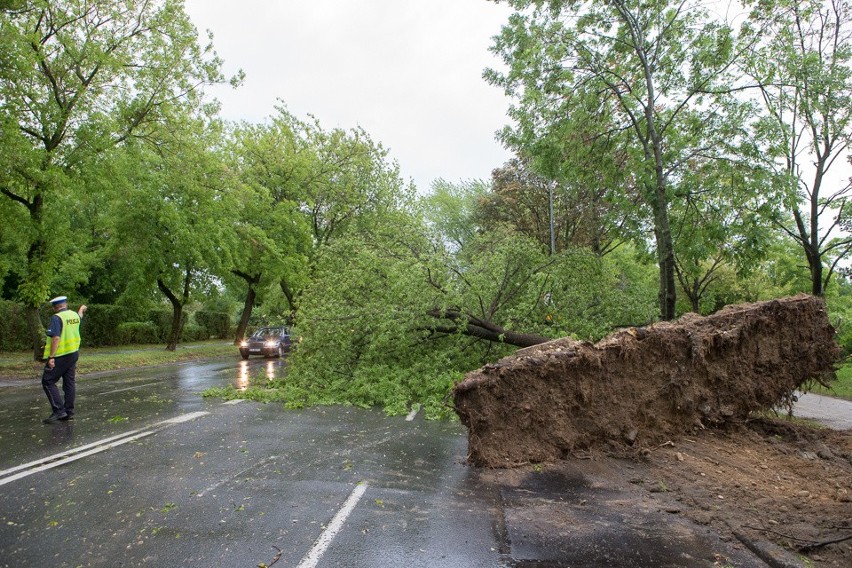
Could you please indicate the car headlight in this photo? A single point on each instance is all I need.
(243, 343)
(271, 344)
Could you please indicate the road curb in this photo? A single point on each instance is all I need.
(772, 554)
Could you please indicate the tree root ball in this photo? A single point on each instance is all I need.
(641, 387)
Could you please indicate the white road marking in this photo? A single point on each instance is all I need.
(75, 457)
(239, 475)
(235, 401)
(75, 454)
(129, 388)
(72, 451)
(183, 418)
(322, 543)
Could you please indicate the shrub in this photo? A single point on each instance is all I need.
(162, 318)
(193, 332)
(136, 332)
(101, 323)
(14, 335)
(217, 324)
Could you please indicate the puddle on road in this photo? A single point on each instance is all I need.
(248, 373)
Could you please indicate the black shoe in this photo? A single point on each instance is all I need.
(56, 417)
(68, 416)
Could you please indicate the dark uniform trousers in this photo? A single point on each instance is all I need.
(64, 367)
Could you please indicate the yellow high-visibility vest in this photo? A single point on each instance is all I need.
(69, 339)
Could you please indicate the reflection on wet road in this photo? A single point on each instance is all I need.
(109, 403)
(152, 474)
(250, 372)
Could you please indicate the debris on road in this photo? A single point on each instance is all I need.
(641, 387)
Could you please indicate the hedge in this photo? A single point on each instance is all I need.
(137, 332)
(108, 325)
(216, 324)
(14, 335)
(100, 324)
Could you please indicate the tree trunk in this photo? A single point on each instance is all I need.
(288, 293)
(815, 261)
(663, 234)
(177, 315)
(36, 277)
(248, 305)
(36, 331)
(474, 327)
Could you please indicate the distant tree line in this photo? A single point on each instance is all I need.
(666, 160)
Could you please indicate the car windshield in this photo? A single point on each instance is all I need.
(267, 332)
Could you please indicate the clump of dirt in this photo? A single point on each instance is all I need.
(641, 387)
(769, 480)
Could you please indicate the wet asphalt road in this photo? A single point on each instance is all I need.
(151, 474)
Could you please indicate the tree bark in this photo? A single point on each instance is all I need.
(481, 329)
(177, 315)
(288, 293)
(36, 331)
(248, 305)
(36, 267)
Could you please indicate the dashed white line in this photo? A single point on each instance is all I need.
(75, 454)
(322, 543)
(74, 457)
(183, 418)
(128, 388)
(55, 457)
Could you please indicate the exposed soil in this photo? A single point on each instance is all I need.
(775, 480)
(677, 401)
(774, 492)
(640, 387)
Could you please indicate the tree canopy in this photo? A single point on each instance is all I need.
(665, 160)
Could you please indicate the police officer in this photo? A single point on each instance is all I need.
(61, 352)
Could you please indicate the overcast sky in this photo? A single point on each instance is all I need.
(407, 71)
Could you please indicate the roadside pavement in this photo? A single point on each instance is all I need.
(835, 413)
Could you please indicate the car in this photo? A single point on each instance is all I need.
(266, 341)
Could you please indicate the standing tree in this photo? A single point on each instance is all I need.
(77, 77)
(272, 162)
(802, 64)
(451, 210)
(646, 65)
(172, 223)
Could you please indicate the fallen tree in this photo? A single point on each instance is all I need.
(640, 387)
(481, 329)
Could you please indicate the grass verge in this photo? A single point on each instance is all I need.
(94, 360)
(841, 388)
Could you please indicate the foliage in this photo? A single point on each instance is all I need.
(359, 322)
(451, 209)
(839, 302)
(800, 56)
(78, 77)
(723, 224)
(272, 233)
(168, 226)
(216, 324)
(841, 388)
(193, 332)
(101, 323)
(640, 81)
(13, 331)
(137, 333)
(94, 359)
(375, 328)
